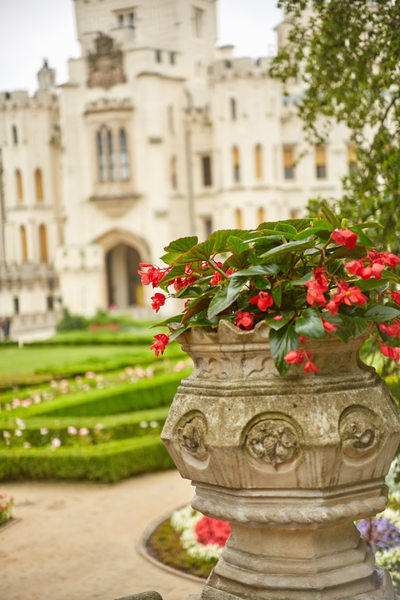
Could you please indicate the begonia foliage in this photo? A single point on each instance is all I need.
(306, 278)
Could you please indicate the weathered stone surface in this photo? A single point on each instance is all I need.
(289, 462)
(143, 596)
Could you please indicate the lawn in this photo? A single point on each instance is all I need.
(28, 360)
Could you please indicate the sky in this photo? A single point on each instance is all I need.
(31, 31)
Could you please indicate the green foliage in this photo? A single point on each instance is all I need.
(6, 505)
(39, 431)
(347, 55)
(302, 277)
(71, 322)
(107, 462)
(148, 393)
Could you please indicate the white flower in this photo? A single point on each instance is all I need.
(143, 424)
(153, 424)
(6, 434)
(18, 433)
(44, 431)
(56, 443)
(27, 445)
(20, 423)
(72, 430)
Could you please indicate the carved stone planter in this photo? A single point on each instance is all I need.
(290, 462)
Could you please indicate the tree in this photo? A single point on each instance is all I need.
(348, 56)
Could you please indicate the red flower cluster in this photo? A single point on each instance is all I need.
(244, 320)
(395, 296)
(160, 344)
(345, 237)
(391, 352)
(158, 300)
(153, 275)
(263, 300)
(298, 356)
(346, 295)
(316, 287)
(212, 531)
(376, 263)
(392, 330)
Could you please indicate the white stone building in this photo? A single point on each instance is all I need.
(157, 134)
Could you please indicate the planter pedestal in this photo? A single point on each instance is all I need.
(290, 462)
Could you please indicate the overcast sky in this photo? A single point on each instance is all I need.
(31, 30)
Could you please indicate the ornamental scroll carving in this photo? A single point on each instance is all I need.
(191, 435)
(359, 432)
(273, 441)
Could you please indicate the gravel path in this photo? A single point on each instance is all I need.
(77, 541)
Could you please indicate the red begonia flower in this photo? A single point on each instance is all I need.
(345, 237)
(395, 296)
(309, 366)
(244, 320)
(315, 292)
(390, 352)
(294, 356)
(328, 326)
(392, 330)
(158, 300)
(153, 275)
(212, 531)
(263, 300)
(160, 344)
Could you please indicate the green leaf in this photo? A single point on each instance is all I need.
(289, 230)
(221, 239)
(286, 316)
(372, 284)
(380, 313)
(202, 251)
(177, 332)
(277, 294)
(196, 306)
(236, 245)
(174, 319)
(221, 301)
(270, 269)
(189, 291)
(343, 252)
(303, 280)
(175, 272)
(235, 286)
(289, 247)
(281, 342)
(310, 325)
(347, 325)
(330, 215)
(182, 244)
(363, 239)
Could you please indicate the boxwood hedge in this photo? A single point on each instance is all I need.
(105, 462)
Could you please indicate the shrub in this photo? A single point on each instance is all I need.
(71, 322)
(148, 393)
(106, 462)
(81, 431)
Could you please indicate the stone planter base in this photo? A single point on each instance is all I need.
(290, 462)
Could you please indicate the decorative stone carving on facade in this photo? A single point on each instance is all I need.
(359, 432)
(105, 67)
(191, 433)
(273, 441)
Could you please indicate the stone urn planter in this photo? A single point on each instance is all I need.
(289, 461)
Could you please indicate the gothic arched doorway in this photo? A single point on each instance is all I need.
(123, 282)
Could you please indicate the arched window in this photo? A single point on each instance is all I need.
(43, 243)
(233, 109)
(15, 134)
(238, 219)
(39, 185)
(236, 164)
(258, 161)
(19, 186)
(101, 156)
(260, 215)
(24, 243)
(110, 149)
(123, 155)
(174, 178)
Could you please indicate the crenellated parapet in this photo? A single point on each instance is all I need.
(11, 101)
(235, 68)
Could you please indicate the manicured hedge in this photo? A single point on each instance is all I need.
(144, 394)
(106, 462)
(40, 431)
